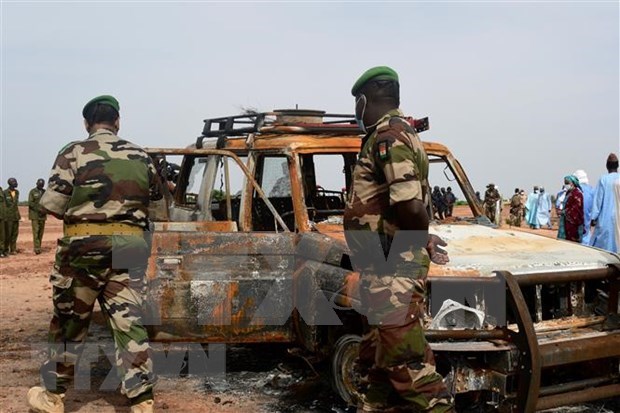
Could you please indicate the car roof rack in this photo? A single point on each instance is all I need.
(233, 125)
(286, 121)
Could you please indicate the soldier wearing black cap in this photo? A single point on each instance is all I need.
(388, 201)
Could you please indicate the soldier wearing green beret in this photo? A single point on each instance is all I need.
(102, 188)
(11, 217)
(387, 210)
(36, 215)
(2, 218)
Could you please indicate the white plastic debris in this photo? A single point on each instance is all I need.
(456, 316)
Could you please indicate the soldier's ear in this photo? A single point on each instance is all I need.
(86, 126)
(117, 123)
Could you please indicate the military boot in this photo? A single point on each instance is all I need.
(42, 401)
(144, 407)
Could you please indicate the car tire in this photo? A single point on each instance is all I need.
(344, 374)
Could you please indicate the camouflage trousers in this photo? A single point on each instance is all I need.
(2, 237)
(515, 217)
(38, 226)
(110, 270)
(11, 230)
(489, 211)
(395, 360)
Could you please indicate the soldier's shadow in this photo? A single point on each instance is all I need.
(96, 382)
(76, 400)
(98, 387)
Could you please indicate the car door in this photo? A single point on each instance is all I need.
(211, 278)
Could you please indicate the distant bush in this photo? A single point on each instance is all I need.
(461, 203)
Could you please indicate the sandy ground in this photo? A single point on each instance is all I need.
(257, 377)
(25, 312)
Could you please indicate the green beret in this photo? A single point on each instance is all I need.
(375, 73)
(102, 100)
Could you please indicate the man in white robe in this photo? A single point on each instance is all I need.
(543, 210)
(605, 208)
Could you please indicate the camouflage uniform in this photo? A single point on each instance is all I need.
(2, 218)
(37, 217)
(11, 221)
(102, 181)
(516, 210)
(397, 363)
(282, 187)
(491, 196)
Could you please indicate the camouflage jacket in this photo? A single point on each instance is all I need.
(392, 168)
(2, 205)
(12, 206)
(102, 179)
(35, 213)
(491, 196)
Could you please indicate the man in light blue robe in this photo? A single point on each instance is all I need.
(617, 193)
(543, 209)
(604, 208)
(530, 208)
(588, 200)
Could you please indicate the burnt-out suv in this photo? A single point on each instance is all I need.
(251, 249)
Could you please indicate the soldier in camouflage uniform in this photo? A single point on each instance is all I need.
(516, 208)
(386, 211)
(11, 217)
(2, 218)
(36, 215)
(491, 196)
(101, 187)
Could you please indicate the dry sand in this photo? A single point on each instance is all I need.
(25, 312)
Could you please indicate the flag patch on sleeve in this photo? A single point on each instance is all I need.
(383, 149)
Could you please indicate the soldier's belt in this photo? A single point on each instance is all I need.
(82, 230)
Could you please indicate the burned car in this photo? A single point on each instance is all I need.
(251, 249)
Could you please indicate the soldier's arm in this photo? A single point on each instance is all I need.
(56, 198)
(403, 175)
(395, 155)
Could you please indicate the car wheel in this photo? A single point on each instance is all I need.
(344, 372)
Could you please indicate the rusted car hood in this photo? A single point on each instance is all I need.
(476, 250)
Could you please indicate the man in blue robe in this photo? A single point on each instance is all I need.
(588, 200)
(617, 193)
(530, 208)
(604, 208)
(543, 209)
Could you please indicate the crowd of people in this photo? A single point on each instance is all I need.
(10, 217)
(587, 215)
(98, 225)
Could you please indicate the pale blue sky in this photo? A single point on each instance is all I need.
(522, 93)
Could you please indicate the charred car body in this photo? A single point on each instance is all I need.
(260, 257)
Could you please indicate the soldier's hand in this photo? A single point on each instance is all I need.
(437, 254)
